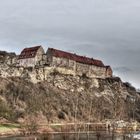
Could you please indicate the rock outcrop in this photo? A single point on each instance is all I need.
(65, 98)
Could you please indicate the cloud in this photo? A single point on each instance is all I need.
(128, 74)
(122, 69)
(107, 30)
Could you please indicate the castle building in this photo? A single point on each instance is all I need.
(31, 57)
(78, 65)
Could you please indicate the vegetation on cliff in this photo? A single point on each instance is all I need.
(65, 98)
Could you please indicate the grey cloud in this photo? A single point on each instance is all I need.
(122, 69)
(128, 74)
(108, 30)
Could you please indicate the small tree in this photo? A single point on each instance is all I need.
(30, 125)
(5, 111)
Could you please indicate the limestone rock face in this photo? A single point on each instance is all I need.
(57, 97)
(56, 92)
(58, 77)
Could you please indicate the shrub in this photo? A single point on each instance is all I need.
(5, 111)
(30, 125)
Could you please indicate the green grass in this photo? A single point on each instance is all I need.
(8, 127)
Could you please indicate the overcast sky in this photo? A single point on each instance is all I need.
(105, 29)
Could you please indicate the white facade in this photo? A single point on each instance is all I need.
(31, 56)
(28, 62)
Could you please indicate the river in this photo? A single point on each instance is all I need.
(67, 137)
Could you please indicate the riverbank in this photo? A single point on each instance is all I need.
(94, 129)
(12, 129)
(9, 129)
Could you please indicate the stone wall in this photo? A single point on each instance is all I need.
(109, 72)
(63, 63)
(80, 68)
(97, 71)
(43, 73)
(39, 54)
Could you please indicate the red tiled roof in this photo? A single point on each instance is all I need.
(29, 52)
(77, 58)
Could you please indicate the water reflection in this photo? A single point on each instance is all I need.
(67, 137)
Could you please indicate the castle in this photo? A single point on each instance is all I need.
(36, 57)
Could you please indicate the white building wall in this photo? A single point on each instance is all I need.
(28, 62)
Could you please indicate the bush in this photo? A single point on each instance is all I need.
(30, 126)
(61, 115)
(5, 111)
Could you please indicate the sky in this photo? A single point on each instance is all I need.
(103, 29)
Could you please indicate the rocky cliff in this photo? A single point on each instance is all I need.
(55, 95)
(63, 97)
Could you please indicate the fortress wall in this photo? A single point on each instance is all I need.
(72, 65)
(60, 62)
(43, 73)
(96, 71)
(63, 63)
(109, 72)
(82, 69)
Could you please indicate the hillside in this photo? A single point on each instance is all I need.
(65, 98)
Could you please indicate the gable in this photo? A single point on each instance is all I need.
(29, 52)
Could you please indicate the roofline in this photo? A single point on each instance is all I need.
(80, 56)
(76, 54)
(29, 49)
